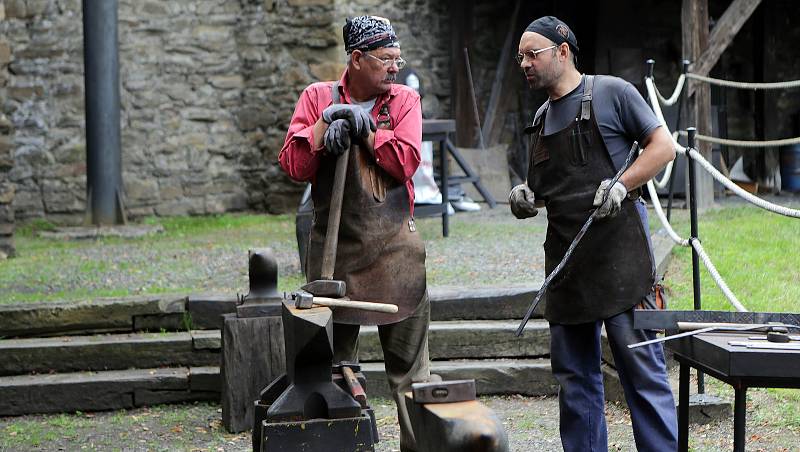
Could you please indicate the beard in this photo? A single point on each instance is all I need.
(544, 78)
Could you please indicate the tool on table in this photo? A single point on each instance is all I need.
(306, 300)
(326, 286)
(356, 390)
(574, 243)
(718, 327)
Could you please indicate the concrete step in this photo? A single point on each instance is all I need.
(117, 389)
(447, 340)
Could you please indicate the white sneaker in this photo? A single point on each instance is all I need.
(466, 204)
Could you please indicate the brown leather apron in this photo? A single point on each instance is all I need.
(380, 256)
(611, 268)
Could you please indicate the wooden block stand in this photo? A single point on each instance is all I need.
(252, 357)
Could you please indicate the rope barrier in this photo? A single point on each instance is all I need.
(705, 164)
(746, 144)
(676, 94)
(745, 85)
(694, 243)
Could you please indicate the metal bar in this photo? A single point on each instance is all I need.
(574, 244)
(101, 79)
(474, 100)
(683, 408)
(691, 131)
(651, 319)
(445, 197)
(739, 418)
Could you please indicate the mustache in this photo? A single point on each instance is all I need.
(391, 78)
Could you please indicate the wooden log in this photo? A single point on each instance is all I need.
(252, 357)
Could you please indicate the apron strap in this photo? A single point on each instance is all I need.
(586, 100)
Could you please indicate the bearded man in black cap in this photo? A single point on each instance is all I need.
(579, 139)
(380, 255)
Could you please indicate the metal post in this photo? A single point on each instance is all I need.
(677, 127)
(691, 132)
(445, 193)
(650, 65)
(101, 80)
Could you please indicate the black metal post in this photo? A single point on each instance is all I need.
(445, 197)
(677, 127)
(650, 65)
(683, 406)
(101, 80)
(739, 418)
(691, 132)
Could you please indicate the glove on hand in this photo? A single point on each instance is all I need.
(360, 121)
(337, 137)
(616, 195)
(521, 201)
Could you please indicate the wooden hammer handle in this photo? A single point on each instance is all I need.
(364, 305)
(355, 386)
(334, 215)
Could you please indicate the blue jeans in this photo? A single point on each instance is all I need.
(575, 354)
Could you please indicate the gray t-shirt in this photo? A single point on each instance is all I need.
(621, 114)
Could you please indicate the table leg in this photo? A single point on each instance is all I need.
(683, 408)
(739, 418)
(445, 199)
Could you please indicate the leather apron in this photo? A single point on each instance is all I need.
(611, 269)
(380, 256)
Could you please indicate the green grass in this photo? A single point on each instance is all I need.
(755, 252)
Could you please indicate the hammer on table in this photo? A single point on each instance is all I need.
(326, 286)
(306, 300)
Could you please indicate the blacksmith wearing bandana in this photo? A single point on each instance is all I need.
(380, 255)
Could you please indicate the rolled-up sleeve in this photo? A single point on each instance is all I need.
(298, 158)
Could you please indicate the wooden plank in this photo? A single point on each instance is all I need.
(106, 352)
(503, 65)
(252, 357)
(73, 317)
(461, 23)
(694, 16)
(84, 391)
(726, 28)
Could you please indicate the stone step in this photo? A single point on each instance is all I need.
(204, 311)
(447, 340)
(107, 390)
(109, 352)
(118, 389)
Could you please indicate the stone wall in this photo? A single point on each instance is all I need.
(7, 189)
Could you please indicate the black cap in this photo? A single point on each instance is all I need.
(555, 30)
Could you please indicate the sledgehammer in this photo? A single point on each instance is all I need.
(326, 286)
(305, 300)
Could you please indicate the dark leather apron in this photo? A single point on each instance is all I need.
(611, 268)
(380, 256)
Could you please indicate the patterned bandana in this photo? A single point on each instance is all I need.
(368, 33)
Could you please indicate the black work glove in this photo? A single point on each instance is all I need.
(521, 200)
(337, 137)
(360, 121)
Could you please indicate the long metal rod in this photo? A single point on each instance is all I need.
(691, 132)
(574, 243)
(710, 329)
(334, 215)
(101, 80)
(474, 99)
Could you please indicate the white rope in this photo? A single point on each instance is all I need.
(745, 85)
(697, 246)
(676, 94)
(739, 190)
(652, 94)
(746, 144)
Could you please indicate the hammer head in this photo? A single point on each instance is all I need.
(326, 288)
(303, 299)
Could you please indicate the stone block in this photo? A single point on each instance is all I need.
(227, 81)
(207, 309)
(454, 303)
(5, 52)
(137, 189)
(15, 9)
(205, 379)
(7, 190)
(159, 322)
(310, 2)
(2, 11)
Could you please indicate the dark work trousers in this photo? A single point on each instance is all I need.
(575, 354)
(405, 355)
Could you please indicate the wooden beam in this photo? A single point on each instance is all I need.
(461, 21)
(723, 33)
(694, 17)
(499, 78)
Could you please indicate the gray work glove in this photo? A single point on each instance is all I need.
(360, 121)
(337, 137)
(521, 201)
(616, 195)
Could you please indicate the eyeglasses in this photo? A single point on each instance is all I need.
(532, 54)
(387, 62)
